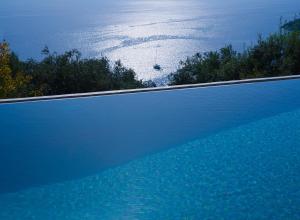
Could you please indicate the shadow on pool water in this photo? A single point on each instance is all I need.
(249, 172)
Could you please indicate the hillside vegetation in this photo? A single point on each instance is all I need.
(61, 74)
(276, 55)
(292, 25)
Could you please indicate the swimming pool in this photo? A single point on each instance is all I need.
(218, 152)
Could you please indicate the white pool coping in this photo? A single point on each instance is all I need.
(153, 89)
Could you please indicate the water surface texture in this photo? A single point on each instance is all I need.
(53, 141)
(139, 32)
(249, 172)
(221, 152)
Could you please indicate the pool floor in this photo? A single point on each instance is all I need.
(248, 172)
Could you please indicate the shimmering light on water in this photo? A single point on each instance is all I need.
(132, 30)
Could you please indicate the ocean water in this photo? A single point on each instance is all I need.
(246, 172)
(139, 32)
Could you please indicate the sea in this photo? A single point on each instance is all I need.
(140, 33)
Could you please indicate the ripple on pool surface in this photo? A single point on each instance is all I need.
(250, 172)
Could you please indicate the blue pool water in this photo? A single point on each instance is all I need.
(226, 152)
(248, 172)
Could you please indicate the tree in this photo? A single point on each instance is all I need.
(277, 55)
(11, 85)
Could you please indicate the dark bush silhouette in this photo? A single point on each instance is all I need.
(277, 55)
(69, 73)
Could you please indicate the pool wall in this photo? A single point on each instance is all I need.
(53, 139)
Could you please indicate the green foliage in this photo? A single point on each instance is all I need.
(12, 84)
(69, 73)
(277, 55)
(293, 25)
